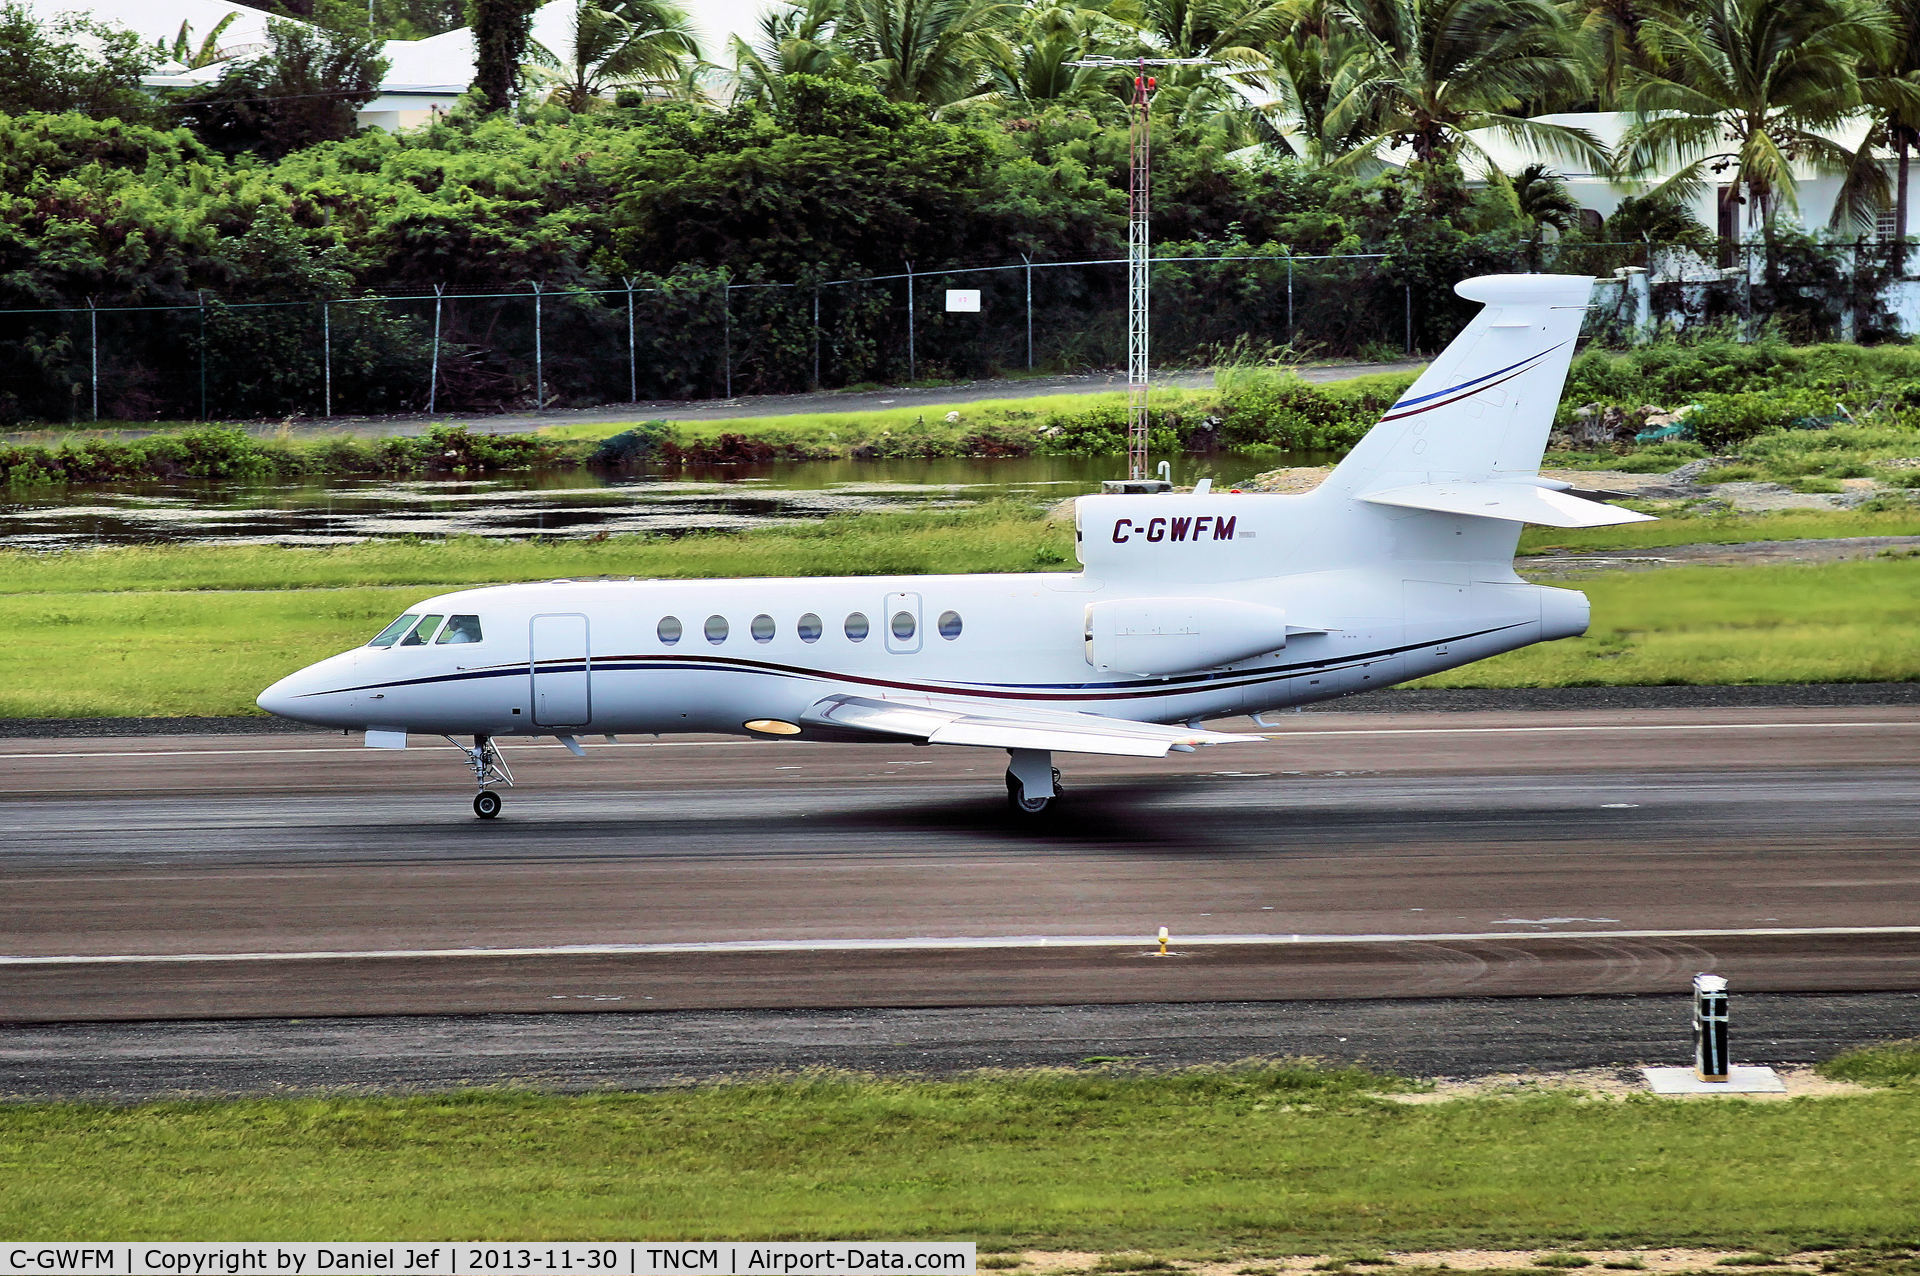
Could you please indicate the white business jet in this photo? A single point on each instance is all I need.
(1186, 607)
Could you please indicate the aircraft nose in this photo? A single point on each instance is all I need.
(278, 699)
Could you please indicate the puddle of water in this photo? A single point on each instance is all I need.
(568, 503)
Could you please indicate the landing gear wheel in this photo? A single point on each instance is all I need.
(1018, 800)
(486, 804)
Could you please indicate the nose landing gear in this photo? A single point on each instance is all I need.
(488, 768)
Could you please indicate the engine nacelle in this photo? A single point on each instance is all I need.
(1152, 636)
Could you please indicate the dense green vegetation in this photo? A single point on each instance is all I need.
(1752, 401)
(1258, 1160)
(1250, 411)
(858, 137)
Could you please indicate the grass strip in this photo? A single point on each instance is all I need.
(993, 538)
(161, 652)
(1681, 528)
(1003, 537)
(1831, 622)
(1264, 1159)
(854, 427)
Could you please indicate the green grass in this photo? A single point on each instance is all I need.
(1894, 1063)
(1682, 528)
(1833, 622)
(1776, 456)
(853, 427)
(994, 538)
(1258, 1160)
(194, 631)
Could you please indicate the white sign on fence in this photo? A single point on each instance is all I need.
(963, 301)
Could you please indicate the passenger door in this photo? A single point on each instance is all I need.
(561, 668)
(901, 622)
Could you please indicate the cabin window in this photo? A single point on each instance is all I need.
(422, 633)
(669, 630)
(716, 629)
(762, 628)
(809, 628)
(857, 627)
(460, 629)
(903, 625)
(391, 634)
(949, 625)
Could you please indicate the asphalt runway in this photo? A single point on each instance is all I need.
(1362, 855)
(1465, 1037)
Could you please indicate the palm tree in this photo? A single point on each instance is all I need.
(1228, 31)
(1231, 33)
(617, 45)
(1310, 72)
(1611, 30)
(1892, 88)
(1742, 91)
(1432, 72)
(932, 52)
(206, 53)
(1541, 199)
(799, 39)
(1034, 70)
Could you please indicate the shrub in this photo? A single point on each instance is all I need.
(1262, 407)
(1721, 420)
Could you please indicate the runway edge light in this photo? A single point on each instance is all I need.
(1163, 942)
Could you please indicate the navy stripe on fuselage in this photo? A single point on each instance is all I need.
(1180, 684)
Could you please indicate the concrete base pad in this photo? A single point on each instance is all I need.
(1739, 1081)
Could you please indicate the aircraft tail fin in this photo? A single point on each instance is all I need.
(1481, 412)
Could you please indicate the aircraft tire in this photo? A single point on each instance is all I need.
(486, 804)
(1020, 803)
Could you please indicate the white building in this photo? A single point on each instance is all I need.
(423, 76)
(1600, 194)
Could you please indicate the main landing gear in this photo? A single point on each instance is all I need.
(488, 768)
(1033, 783)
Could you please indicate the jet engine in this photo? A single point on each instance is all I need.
(1153, 636)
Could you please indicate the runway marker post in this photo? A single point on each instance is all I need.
(1710, 1023)
(1712, 1071)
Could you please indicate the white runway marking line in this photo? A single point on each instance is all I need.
(1679, 726)
(940, 944)
(1306, 732)
(430, 750)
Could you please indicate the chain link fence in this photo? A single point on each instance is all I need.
(711, 335)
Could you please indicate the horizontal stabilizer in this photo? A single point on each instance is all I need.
(939, 722)
(1521, 502)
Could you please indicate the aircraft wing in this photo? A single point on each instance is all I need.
(956, 722)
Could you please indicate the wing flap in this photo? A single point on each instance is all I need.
(1522, 502)
(939, 722)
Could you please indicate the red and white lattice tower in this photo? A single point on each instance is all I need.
(1139, 256)
(1139, 272)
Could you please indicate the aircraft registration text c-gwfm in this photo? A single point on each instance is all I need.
(1187, 606)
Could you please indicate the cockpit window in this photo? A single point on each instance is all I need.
(391, 634)
(422, 633)
(460, 629)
